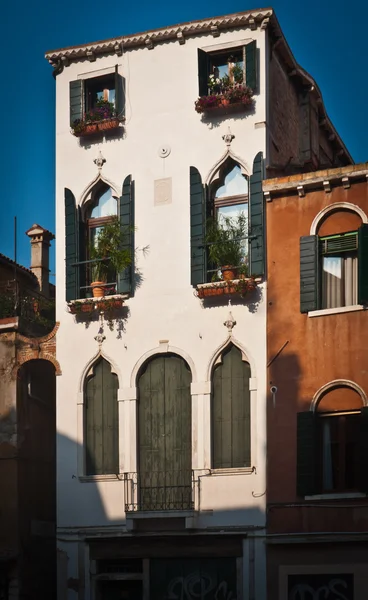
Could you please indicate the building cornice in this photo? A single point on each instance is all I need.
(149, 38)
(319, 180)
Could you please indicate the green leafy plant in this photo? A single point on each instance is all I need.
(109, 251)
(225, 241)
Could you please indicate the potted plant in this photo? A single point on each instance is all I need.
(226, 91)
(225, 241)
(108, 255)
(100, 118)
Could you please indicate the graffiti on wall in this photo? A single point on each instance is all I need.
(198, 585)
(315, 586)
(193, 579)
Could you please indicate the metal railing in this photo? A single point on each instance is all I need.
(35, 311)
(159, 490)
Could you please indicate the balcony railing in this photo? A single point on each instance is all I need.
(159, 490)
(36, 313)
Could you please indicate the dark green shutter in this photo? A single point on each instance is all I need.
(363, 264)
(75, 100)
(197, 228)
(101, 421)
(71, 246)
(125, 278)
(119, 94)
(256, 218)
(82, 256)
(203, 72)
(309, 277)
(306, 454)
(230, 412)
(251, 65)
(363, 451)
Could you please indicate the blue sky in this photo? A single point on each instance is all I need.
(327, 38)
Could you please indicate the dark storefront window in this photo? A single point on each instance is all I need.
(336, 586)
(193, 579)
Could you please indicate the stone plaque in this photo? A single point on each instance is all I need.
(163, 191)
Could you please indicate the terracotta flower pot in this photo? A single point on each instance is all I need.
(225, 102)
(108, 124)
(228, 272)
(98, 289)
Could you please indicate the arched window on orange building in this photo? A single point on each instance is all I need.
(332, 444)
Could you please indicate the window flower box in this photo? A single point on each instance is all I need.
(102, 117)
(243, 287)
(105, 304)
(226, 99)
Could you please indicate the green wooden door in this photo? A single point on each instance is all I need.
(164, 416)
(231, 411)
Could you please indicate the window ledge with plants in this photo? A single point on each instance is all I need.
(103, 304)
(243, 287)
(227, 94)
(100, 119)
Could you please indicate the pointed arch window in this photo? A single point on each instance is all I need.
(231, 431)
(101, 420)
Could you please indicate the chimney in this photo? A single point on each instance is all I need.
(40, 244)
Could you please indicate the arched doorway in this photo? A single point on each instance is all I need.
(164, 434)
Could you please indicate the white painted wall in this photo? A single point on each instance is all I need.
(162, 85)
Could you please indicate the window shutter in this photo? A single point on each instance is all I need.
(203, 72)
(125, 278)
(81, 270)
(256, 218)
(75, 100)
(251, 65)
(306, 479)
(197, 228)
(363, 264)
(119, 93)
(71, 253)
(363, 451)
(309, 279)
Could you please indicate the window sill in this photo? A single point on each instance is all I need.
(90, 304)
(234, 471)
(225, 288)
(332, 496)
(93, 478)
(335, 311)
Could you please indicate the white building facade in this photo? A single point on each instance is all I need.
(162, 490)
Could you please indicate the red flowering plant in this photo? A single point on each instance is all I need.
(102, 111)
(226, 90)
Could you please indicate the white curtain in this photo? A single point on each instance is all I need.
(339, 281)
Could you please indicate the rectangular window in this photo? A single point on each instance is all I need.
(338, 451)
(98, 100)
(237, 65)
(339, 270)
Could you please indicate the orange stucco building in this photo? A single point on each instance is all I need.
(317, 440)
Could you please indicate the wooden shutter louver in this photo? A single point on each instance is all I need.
(251, 65)
(125, 278)
(197, 228)
(363, 451)
(203, 72)
(347, 242)
(309, 278)
(75, 100)
(363, 264)
(306, 475)
(71, 246)
(256, 219)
